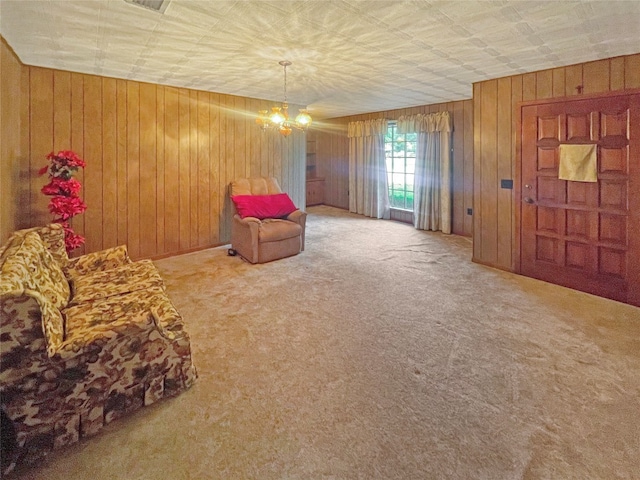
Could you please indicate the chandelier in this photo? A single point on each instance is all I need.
(278, 119)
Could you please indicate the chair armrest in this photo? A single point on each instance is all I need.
(244, 236)
(300, 218)
(248, 220)
(97, 261)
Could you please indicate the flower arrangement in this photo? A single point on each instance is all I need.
(64, 190)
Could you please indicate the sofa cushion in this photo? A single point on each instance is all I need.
(264, 206)
(120, 280)
(273, 230)
(89, 320)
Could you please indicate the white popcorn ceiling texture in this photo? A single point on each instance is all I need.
(348, 56)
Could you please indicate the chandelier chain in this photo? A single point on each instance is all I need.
(285, 84)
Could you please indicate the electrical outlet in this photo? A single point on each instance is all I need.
(469, 211)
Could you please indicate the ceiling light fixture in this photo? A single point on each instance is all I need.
(279, 117)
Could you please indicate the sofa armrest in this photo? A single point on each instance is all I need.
(97, 261)
(300, 218)
(167, 319)
(122, 334)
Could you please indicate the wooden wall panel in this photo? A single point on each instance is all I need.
(596, 76)
(477, 177)
(41, 138)
(499, 225)
(458, 210)
(160, 173)
(572, 82)
(93, 174)
(121, 162)
(77, 145)
(332, 156)
(184, 170)
(227, 161)
(148, 171)
(544, 84)
(558, 87)
(61, 110)
(632, 71)
(14, 141)
(172, 170)
(133, 168)
(109, 167)
(214, 157)
(504, 139)
(467, 163)
(193, 180)
(159, 159)
(203, 175)
(488, 210)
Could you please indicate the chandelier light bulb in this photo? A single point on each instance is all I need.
(303, 119)
(276, 116)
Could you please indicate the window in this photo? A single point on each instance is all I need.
(400, 152)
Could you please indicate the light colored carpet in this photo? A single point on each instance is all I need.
(382, 352)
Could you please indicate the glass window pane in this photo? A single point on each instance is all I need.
(410, 165)
(400, 152)
(398, 181)
(409, 181)
(396, 200)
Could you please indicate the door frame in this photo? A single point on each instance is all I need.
(517, 187)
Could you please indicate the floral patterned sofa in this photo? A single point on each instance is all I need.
(83, 342)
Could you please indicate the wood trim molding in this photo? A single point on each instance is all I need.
(573, 98)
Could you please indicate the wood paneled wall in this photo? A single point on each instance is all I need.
(332, 156)
(159, 159)
(495, 110)
(12, 141)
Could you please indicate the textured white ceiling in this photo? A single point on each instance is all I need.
(348, 56)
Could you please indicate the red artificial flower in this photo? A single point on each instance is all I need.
(71, 239)
(66, 158)
(60, 186)
(64, 189)
(66, 207)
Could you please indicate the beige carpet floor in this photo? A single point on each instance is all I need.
(381, 352)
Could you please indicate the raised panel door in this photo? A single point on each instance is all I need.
(583, 235)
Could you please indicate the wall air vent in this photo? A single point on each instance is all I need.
(156, 5)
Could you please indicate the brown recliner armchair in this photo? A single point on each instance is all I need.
(263, 240)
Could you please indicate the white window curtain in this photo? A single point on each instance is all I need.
(368, 184)
(432, 184)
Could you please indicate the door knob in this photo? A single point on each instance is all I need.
(528, 200)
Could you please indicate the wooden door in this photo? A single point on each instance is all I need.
(583, 235)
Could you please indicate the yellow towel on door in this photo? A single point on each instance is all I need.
(578, 163)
